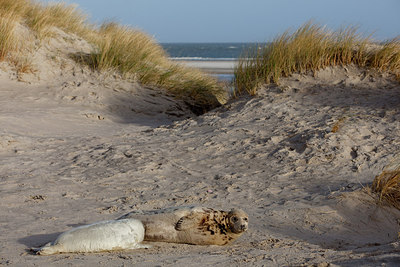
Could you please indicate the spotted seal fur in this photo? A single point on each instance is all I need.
(192, 225)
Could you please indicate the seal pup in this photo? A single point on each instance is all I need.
(97, 237)
(192, 225)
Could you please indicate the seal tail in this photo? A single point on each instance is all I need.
(34, 250)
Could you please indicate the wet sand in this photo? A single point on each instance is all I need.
(213, 67)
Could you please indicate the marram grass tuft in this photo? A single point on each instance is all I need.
(387, 184)
(42, 18)
(116, 48)
(136, 55)
(8, 38)
(311, 48)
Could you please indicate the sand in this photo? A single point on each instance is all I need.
(78, 147)
(211, 66)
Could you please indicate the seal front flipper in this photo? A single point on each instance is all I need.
(188, 222)
(183, 224)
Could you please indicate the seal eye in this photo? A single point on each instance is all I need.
(245, 219)
(234, 219)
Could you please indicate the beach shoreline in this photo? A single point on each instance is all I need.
(211, 66)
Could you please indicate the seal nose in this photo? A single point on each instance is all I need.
(243, 227)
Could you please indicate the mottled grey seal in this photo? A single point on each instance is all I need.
(192, 225)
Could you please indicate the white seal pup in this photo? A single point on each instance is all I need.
(192, 225)
(97, 237)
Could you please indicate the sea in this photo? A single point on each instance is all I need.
(206, 51)
(216, 58)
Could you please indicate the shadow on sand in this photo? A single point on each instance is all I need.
(36, 241)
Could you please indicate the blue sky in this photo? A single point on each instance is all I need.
(243, 21)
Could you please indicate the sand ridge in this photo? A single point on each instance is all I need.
(77, 147)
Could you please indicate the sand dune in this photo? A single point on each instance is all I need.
(78, 147)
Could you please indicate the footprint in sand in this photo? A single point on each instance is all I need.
(93, 116)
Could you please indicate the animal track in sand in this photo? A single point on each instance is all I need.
(93, 116)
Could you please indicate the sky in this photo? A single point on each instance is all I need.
(243, 21)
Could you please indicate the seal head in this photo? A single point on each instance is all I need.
(238, 221)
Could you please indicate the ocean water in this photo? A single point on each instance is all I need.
(218, 59)
(206, 51)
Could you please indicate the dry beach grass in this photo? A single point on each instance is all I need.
(118, 48)
(134, 54)
(311, 48)
(8, 40)
(387, 184)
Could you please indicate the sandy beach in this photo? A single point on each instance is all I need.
(211, 66)
(78, 147)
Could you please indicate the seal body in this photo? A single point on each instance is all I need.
(100, 236)
(192, 225)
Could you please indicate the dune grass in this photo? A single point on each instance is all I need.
(42, 18)
(117, 48)
(126, 50)
(136, 55)
(387, 184)
(15, 7)
(387, 58)
(8, 38)
(311, 48)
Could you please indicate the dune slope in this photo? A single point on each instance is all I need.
(81, 147)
